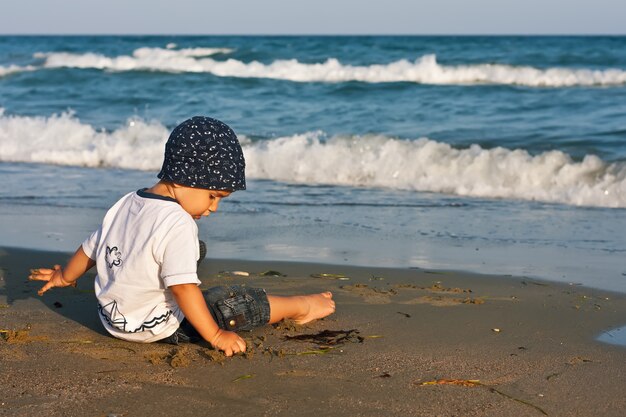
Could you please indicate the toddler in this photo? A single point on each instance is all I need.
(146, 252)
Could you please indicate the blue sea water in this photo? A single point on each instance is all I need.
(501, 155)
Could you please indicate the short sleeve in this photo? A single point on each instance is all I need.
(90, 245)
(180, 255)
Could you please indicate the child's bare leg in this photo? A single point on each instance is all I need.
(301, 308)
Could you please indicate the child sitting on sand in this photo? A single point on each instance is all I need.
(147, 249)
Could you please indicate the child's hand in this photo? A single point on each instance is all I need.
(53, 276)
(229, 342)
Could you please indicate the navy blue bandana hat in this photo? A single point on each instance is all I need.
(204, 153)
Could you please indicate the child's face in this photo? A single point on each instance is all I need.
(199, 202)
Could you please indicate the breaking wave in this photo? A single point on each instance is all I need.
(358, 161)
(423, 70)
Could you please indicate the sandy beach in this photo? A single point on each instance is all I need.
(404, 342)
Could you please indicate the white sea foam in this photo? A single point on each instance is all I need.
(424, 70)
(427, 165)
(367, 161)
(12, 69)
(150, 59)
(64, 140)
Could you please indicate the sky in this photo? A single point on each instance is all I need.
(313, 17)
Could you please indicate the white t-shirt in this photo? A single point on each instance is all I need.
(145, 244)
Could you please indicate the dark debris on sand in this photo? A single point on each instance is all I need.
(329, 337)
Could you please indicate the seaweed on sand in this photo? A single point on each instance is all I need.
(329, 337)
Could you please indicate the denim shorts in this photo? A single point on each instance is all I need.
(233, 308)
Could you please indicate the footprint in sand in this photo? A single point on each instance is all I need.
(441, 296)
(443, 301)
(371, 295)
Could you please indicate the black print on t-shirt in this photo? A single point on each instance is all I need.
(112, 315)
(115, 318)
(113, 257)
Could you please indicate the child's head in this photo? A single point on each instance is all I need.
(202, 152)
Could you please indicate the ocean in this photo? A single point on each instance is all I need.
(497, 154)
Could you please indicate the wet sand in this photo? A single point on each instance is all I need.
(404, 342)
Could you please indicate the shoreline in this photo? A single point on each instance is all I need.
(528, 342)
(235, 264)
(339, 225)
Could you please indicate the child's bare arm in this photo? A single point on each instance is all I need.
(78, 264)
(191, 302)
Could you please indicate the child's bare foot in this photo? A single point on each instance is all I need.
(316, 306)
